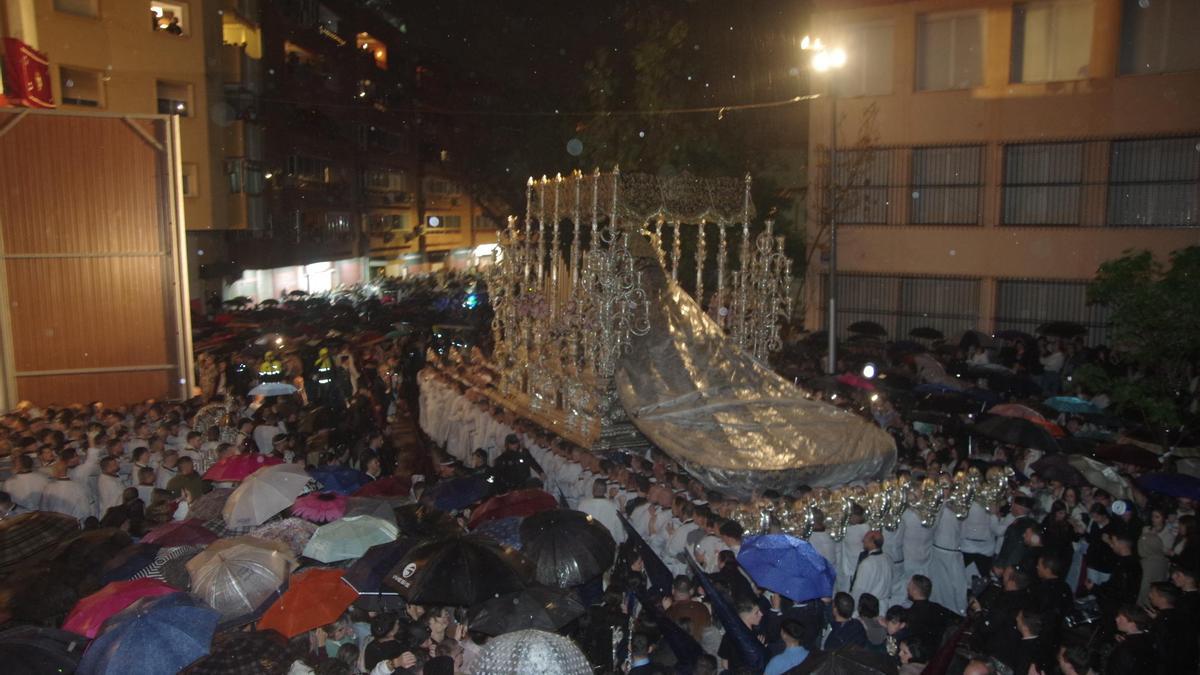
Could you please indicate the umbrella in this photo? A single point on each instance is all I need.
(847, 661)
(537, 607)
(388, 486)
(952, 404)
(371, 506)
(1072, 404)
(129, 562)
(973, 337)
(787, 565)
(856, 382)
(180, 533)
(291, 532)
(901, 347)
(208, 506)
(1171, 484)
(568, 548)
(1102, 476)
(421, 521)
(927, 333)
(367, 574)
(1056, 467)
(91, 612)
(460, 570)
(315, 597)
(526, 651)
(31, 650)
(263, 494)
(349, 538)
(273, 389)
(515, 503)
(1014, 335)
(153, 636)
(1018, 432)
(1062, 329)
(169, 566)
(320, 507)
(81, 560)
(234, 576)
(867, 328)
(505, 531)
(238, 467)
(241, 653)
(340, 479)
(39, 594)
(458, 493)
(1127, 453)
(29, 536)
(1018, 411)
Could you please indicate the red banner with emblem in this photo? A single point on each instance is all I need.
(26, 75)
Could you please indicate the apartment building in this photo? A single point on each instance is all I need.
(991, 154)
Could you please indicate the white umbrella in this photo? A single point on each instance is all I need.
(349, 538)
(1102, 476)
(236, 576)
(263, 494)
(531, 651)
(273, 389)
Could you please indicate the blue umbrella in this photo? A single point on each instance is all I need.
(787, 565)
(1171, 484)
(367, 573)
(340, 479)
(506, 531)
(935, 388)
(1072, 404)
(156, 635)
(458, 493)
(126, 564)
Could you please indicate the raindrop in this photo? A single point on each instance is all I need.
(1143, 3)
(574, 147)
(794, 72)
(641, 134)
(916, 194)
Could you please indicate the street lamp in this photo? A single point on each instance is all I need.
(828, 60)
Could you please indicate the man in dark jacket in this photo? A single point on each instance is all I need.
(927, 620)
(1125, 582)
(1134, 652)
(845, 630)
(1013, 547)
(1175, 639)
(515, 466)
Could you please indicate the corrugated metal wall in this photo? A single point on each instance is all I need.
(1024, 305)
(93, 307)
(901, 304)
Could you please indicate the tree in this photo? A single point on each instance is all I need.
(1155, 318)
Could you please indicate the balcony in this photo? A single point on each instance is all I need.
(244, 139)
(239, 70)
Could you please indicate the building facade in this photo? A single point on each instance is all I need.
(991, 154)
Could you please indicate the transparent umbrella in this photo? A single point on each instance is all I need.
(531, 651)
(263, 494)
(235, 576)
(349, 538)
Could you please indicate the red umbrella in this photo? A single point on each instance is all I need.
(237, 467)
(91, 612)
(856, 382)
(1029, 414)
(391, 486)
(314, 598)
(190, 532)
(320, 507)
(1127, 453)
(515, 503)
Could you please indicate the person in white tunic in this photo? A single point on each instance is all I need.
(676, 550)
(605, 513)
(824, 543)
(874, 571)
(851, 546)
(109, 485)
(946, 568)
(27, 485)
(65, 496)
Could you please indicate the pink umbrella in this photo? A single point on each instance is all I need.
(320, 507)
(1029, 414)
(237, 467)
(90, 613)
(856, 381)
(180, 533)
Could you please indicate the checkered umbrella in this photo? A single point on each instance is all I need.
(30, 536)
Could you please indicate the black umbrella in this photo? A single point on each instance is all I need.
(927, 333)
(568, 548)
(1016, 431)
(539, 607)
(901, 347)
(31, 536)
(29, 650)
(424, 522)
(41, 594)
(1056, 467)
(953, 404)
(846, 661)
(242, 653)
(1014, 335)
(1062, 329)
(460, 571)
(867, 328)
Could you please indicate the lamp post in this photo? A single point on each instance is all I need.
(826, 61)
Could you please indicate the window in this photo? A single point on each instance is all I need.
(1154, 183)
(1052, 40)
(310, 169)
(386, 180)
(1042, 183)
(89, 8)
(295, 54)
(946, 185)
(861, 184)
(245, 176)
(441, 187)
(170, 17)
(191, 180)
(1159, 36)
(949, 51)
(174, 98)
(375, 49)
(81, 87)
(444, 222)
(386, 222)
(901, 304)
(1023, 304)
(238, 32)
(868, 71)
(337, 223)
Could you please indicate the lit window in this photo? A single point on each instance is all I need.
(949, 51)
(1052, 41)
(169, 17)
(238, 32)
(90, 8)
(375, 49)
(868, 71)
(174, 98)
(1159, 36)
(444, 222)
(294, 53)
(81, 87)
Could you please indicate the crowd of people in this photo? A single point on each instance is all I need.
(1055, 577)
